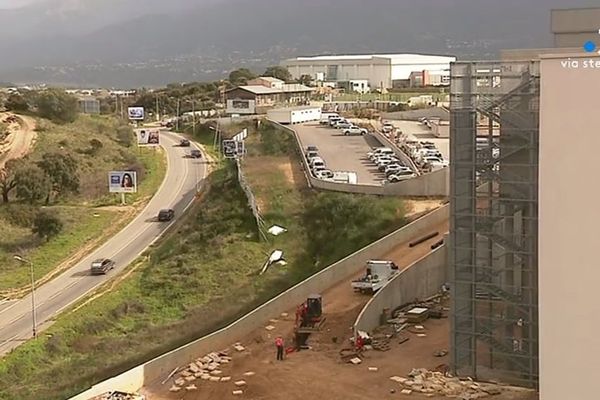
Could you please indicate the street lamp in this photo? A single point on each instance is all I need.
(33, 319)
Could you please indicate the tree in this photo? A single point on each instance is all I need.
(278, 72)
(32, 183)
(47, 224)
(125, 135)
(61, 168)
(16, 103)
(95, 147)
(7, 178)
(57, 106)
(241, 76)
(305, 80)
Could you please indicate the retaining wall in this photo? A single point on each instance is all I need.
(433, 184)
(420, 280)
(159, 368)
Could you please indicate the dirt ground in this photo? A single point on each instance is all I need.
(415, 207)
(19, 141)
(319, 371)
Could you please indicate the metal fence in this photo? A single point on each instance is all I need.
(260, 223)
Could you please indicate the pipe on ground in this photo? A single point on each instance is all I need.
(423, 239)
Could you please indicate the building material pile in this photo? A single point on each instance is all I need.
(116, 395)
(436, 383)
(207, 368)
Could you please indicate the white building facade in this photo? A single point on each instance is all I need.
(382, 71)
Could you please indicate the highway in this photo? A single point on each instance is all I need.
(177, 191)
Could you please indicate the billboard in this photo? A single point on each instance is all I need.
(241, 136)
(122, 182)
(148, 136)
(135, 113)
(233, 148)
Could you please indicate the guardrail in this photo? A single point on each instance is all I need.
(420, 280)
(159, 368)
(433, 184)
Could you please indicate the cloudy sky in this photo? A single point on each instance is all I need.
(14, 3)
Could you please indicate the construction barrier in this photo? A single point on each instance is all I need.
(420, 280)
(158, 369)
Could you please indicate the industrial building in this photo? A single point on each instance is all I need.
(382, 71)
(524, 274)
(263, 93)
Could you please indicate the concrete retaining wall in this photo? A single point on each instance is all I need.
(405, 158)
(420, 280)
(158, 369)
(130, 381)
(433, 184)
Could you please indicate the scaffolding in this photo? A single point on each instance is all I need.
(493, 222)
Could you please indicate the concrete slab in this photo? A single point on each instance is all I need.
(342, 153)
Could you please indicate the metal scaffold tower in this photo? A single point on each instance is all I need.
(493, 221)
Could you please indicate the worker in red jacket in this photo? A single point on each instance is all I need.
(279, 345)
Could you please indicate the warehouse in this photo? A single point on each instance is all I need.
(264, 93)
(383, 71)
(294, 115)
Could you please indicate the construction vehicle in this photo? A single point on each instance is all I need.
(309, 319)
(378, 273)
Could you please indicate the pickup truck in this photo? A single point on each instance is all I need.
(378, 273)
(354, 130)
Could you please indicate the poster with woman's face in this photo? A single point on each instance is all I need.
(147, 136)
(122, 182)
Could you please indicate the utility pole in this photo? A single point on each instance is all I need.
(193, 117)
(177, 117)
(157, 110)
(33, 317)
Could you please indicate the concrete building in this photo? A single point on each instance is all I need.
(263, 94)
(575, 26)
(568, 273)
(382, 71)
(294, 115)
(429, 78)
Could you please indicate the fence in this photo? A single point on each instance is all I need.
(260, 223)
(158, 369)
(420, 280)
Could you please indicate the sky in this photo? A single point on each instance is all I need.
(15, 3)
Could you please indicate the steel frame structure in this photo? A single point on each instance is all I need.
(493, 220)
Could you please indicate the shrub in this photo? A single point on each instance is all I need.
(47, 224)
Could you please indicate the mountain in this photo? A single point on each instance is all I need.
(155, 41)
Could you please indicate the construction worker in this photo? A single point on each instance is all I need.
(279, 345)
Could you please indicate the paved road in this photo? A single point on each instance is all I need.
(342, 153)
(177, 192)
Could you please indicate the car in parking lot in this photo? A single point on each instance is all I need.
(387, 127)
(324, 174)
(342, 125)
(334, 120)
(311, 148)
(401, 176)
(311, 154)
(166, 214)
(381, 151)
(393, 168)
(355, 130)
(101, 266)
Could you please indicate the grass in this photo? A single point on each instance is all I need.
(203, 274)
(85, 224)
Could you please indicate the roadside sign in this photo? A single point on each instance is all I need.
(233, 148)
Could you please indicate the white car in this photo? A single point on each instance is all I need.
(393, 168)
(387, 127)
(355, 130)
(401, 176)
(342, 125)
(324, 174)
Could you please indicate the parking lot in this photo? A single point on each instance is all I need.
(419, 132)
(342, 153)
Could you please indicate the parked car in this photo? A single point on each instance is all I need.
(355, 130)
(101, 266)
(342, 125)
(317, 160)
(401, 176)
(184, 143)
(317, 169)
(380, 152)
(195, 154)
(395, 167)
(311, 148)
(387, 127)
(324, 174)
(311, 154)
(166, 214)
(334, 120)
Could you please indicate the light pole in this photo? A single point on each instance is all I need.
(33, 319)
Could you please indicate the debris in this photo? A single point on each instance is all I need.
(403, 339)
(417, 314)
(273, 321)
(419, 327)
(225, 379)
(174, 388)
(269, 327)
(373, 369)
(180, 381)
(406, 391)
(440, 353)
(169, 376)
(216, 372)
(239, 347)
(276, 255)
(398, 379)
(421, 335)
(276, 230)
(191, 387)
(214, 379)
(190, 378)
(284, 314)
(205, 377)
(355, 360)
(240, 383)
(237, 392)
(249, 373)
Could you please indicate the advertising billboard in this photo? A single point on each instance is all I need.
(135, 113)
(148, 136)
(233, 148)
(122, 182)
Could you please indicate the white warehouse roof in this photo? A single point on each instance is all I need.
(394, 58)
